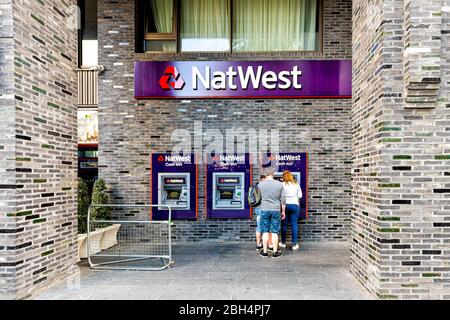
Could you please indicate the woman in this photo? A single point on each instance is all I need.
(293, 193)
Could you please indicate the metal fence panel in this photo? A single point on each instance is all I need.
(129, 244)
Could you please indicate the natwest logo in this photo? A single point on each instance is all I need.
(248, 77)
(232, 158)
(229, 180)
(171, 73)
(288, 157)
(174, 181)
(178, 158)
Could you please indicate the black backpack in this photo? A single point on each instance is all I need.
(254, 196)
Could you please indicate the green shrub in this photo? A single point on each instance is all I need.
(99, 196)
(83, 205)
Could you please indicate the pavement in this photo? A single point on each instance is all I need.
(223, 271)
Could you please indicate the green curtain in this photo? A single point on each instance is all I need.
(205, 19)
(162, 14)
(162, 11)
(267, 25)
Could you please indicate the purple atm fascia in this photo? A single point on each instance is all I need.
(226, 176)
(297, 163)
(174, 181)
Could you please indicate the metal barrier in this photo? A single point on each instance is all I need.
(127, 244)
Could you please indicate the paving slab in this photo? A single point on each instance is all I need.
(232, 271)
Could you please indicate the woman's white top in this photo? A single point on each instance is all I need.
(293, 192)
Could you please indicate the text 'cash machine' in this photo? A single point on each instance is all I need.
(174, 184)
(228, 178)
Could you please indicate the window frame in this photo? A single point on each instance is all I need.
(155, 36)
(175, 35)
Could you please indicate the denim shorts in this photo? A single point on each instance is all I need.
(270, 221)
(257, 212)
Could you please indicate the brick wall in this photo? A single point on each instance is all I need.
(130, 130)
(401, 146)
(396, 133)
(37, 146)
(7, 176)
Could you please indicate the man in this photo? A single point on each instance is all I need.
(257, 211)
(273, 198)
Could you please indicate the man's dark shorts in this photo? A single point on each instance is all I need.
(270, 221)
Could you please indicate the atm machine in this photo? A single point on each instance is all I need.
(174, 184)
(228, 190)
(297, 164)
(227, 180)
(173, 190)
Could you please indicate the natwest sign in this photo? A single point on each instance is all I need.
(245, 79)
(232, 158)
(249, 78)
(175, 158)
(288, 157)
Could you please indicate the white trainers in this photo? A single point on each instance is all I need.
(282, 245)
(295, 247)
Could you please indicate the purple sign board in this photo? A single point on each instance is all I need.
(243, 79)
(174, 183)
(228, 178)
(297, 164)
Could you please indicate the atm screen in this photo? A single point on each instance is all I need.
(226, 194)
(173, 194)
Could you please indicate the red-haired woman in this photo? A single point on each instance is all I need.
(293, 194)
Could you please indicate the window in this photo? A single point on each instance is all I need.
(282, 25)
(160, 26)
(205, 25)
(231, 25)
(88, 48)
(87, 126)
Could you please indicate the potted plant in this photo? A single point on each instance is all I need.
(101, 235)
(108, 238)
(83, 207)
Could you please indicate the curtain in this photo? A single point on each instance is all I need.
(267, 25)
(162, 12)
(205, 19)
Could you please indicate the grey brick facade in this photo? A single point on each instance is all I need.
(7, 147)
(379, 164)
(38, 57)
(400, 122)
(130, 130)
